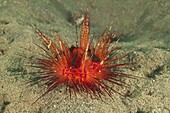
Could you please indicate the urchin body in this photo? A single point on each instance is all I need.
(83, 68)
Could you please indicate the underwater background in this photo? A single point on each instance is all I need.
(142, 26)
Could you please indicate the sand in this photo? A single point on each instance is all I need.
(142, 27)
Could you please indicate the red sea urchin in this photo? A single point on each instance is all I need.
(83, 68)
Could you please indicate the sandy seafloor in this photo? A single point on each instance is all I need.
(143, 26)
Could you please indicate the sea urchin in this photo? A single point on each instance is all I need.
(86, 68)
